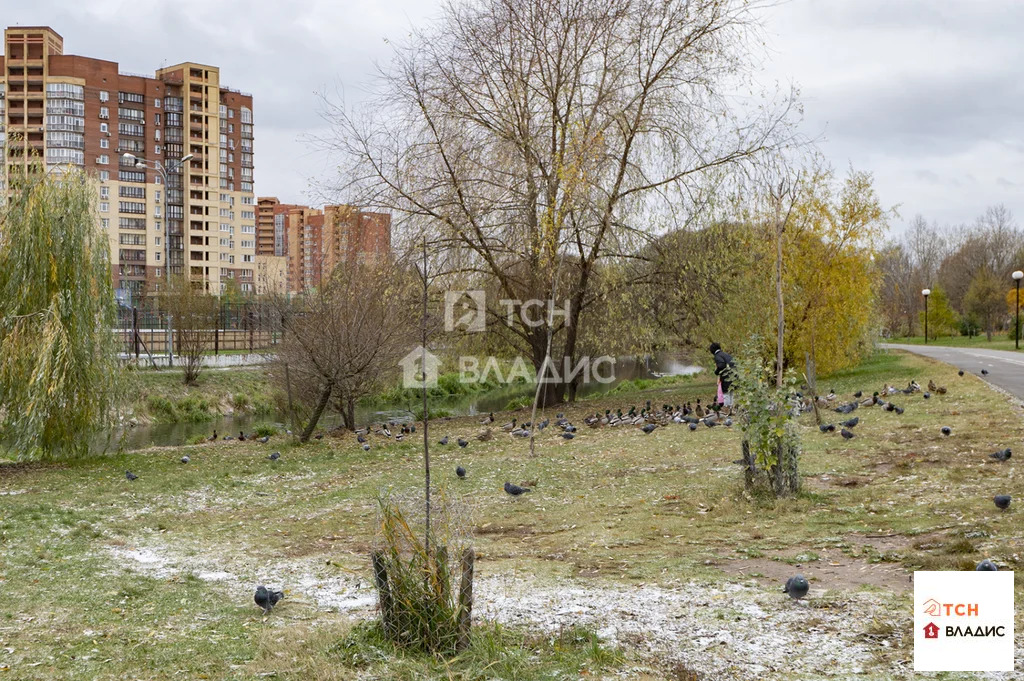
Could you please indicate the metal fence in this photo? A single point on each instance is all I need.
(247, 327)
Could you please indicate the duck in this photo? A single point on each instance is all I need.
(510, 426)
(241, 436)
(489, 419)
(212, 438)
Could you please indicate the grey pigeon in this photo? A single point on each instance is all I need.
(927, 396)
(443, 441)
(852, 422)
(267, 599)
(275, 456)
(827, 428)
(520, 432)
(847, 435)
(1002, 501)
(264, 439)
(568, 436)
(960, 373)
(796, 587)
(984, 372)
(1001, 456)
(130, 476)
(515, 490)
(986, 566)
(649, 428)
(728, 422)
(185, 459)
(463, 443)
(366, 446)
(946, 430)
(859, 394)
(360, 439)
(460, 471)
(693, 426)
(543, 424)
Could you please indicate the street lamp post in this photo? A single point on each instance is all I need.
(1017, 276)
(160, 168)
(926, 292)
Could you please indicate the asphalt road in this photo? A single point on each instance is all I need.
(1005, 368)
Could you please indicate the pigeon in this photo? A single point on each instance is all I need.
(275, 456)
(1001, 456)
(852, 422)
(984, 372)
(1002, 501)
(568, 436)
(827, 428)
(859, 394)
(649, 428)
(543, 424)
(185, 459)
(515, 490)
(728, 422)
(443, 441)
(986, 566)
(461, 472)
(847, 435)
(463, 443)
(946, 430)
(267, 599)
(130, 476)
(264, 440)
(366, 446)
(693, 426)
(360, 439)
(960, 373)
(927, 396)
(520, 432)
(796, 587)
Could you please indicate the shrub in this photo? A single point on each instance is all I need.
(264, 430)
(519, 403)
(240, 401)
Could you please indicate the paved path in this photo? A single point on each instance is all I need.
(1005, 367)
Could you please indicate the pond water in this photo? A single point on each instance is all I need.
(173, 434)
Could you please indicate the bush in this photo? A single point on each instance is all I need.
(265, 430)
(240, 401)
(519, 403)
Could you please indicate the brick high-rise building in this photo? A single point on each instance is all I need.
(63, 109)
(316, 241)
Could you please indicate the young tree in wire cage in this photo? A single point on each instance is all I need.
(59, 373)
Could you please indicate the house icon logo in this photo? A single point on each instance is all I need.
(419, 367)
(932, 607)
(931, 630)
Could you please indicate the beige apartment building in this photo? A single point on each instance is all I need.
(182, 200)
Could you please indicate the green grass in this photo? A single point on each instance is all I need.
(999, 341)
(162, 395)
(612, 506)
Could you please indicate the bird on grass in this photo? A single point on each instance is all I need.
(241, 436)
(320, 436)
(185, 459)
(520, 432)
(927, 396)
(130, 476)
(484, 435)
(489, 419)
(510, 426)
(515, 490)
(360, 439)
(960, 373)
(212, 438)
(264, 440)
(850, 423)
(463, 443)
(847, 435)
(693, 426)
(797, 587)
(986, 566)
(1001, 456)
(461, 472)
(649, 428)
(859, 394)
(728, 422)
(1002, 501)
(443, 441)
(366, 446)
(543, 424)
(827, 428)
(947, 431)
(267, 599)
(568, 436)
(275, 456)
(984, 372)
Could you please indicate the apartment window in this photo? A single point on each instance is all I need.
(156, 134)
(131, 176)
(248, 229)
(248, 244)
(131, 207)
(156, 196)
(247, 186)
(132, 239)
(103, 159)
(104, 112)
(156, 241)
(131, 114)
(157, 149)
(224, 212)
(248, 215)
(247, 200)
(231, 113)
(132, 223)
(104, 143)
(223, 140)
(225, 228)
(223, 110)
(156, 211)
(158, 256)
(246, 115)
(157, 103)
(105, 128)
(104, 176)
(105, 222)
(104, 192)
(158, 226)
(104, 96)
(231, 128)
(224, 243)
(131, 192)
(247, 258)
(132, 97)
(231, 158)
(132, 129)
(224, 198)
(104, 207)
(67, 123)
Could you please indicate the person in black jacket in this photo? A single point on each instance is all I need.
(723, 369)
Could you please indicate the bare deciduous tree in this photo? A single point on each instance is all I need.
(535, 140)
(195, 316)
(344, 339)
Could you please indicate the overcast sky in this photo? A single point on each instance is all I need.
(928, 95)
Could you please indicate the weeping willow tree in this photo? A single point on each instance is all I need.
(58, 360)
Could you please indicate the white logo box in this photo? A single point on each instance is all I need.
(971, 616)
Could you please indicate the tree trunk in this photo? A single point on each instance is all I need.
(325, 397)
(779, 302)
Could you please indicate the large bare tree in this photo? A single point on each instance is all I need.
(533, 140)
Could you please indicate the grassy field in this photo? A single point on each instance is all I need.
(635, 556)
(163, 397)
(999, 341)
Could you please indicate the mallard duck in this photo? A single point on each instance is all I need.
(510, 426)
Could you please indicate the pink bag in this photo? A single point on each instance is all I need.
(721, 396)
